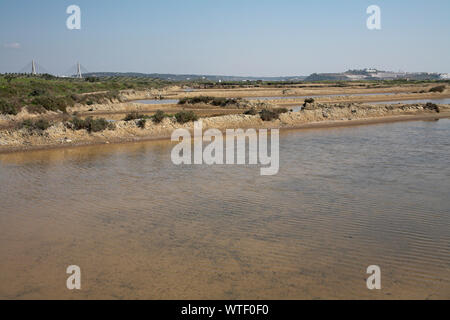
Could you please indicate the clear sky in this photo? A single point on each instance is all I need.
(229, 37)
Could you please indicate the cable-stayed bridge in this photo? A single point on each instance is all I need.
(34, 68)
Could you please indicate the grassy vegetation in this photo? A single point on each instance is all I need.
(8, 107)
(46, 92)
(252, 112)
(36, 125)
(159, 116)
(270, 115)
(186, 116)
(141, 123)
(133, 116)
(433, 107)
(90, 124)
(51, 103)
(215, 101)
(438, 89)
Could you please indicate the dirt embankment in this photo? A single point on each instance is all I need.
(116, 109)
(315, 114)
(285, 91)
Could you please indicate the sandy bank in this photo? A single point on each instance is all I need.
(314, 116)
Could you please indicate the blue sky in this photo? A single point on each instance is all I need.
(232, 37)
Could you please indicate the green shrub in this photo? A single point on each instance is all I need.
(251, 112)
(309, 100)
(268, 115)
(280, 110)
(92, 79)
(38, 92)
(194, 100)
(53, 103)
(90, 124)
(438, 89)
(36, 109)
(8, 108)
(215, 101)
(96, 125)
(158, 116)
(90, 99)
(47, 76)
(77, 123)
(141, 123)
(186, 116)
(432, 106)
(40, 124)
(133, 116)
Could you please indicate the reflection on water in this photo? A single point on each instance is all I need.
(140, 227)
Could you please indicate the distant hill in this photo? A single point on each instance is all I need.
(373, 74)
(355, 75)
(327, 77)
(187, 77)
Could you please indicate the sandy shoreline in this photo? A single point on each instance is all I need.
(244, 123)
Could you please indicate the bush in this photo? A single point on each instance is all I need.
(280, 110)
(141, 123)
(251, 112)
(90, 124)
(90, 99)
(194, 100)
(309, 100)
(438, 89)
(40, 124)
(8, 108)
(432, 106)
(53, 103)
(37, 92)
(36, 109)
(186, 116)
(158, 116)
(215, 101)
(133, 116)
(268, 115)
(92, 79)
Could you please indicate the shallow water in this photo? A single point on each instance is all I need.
(322, 96)
(438, 101)
(141, 227)
(156, 101)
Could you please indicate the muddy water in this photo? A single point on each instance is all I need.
(156, 101)
(323, 96)
(438, 101)
(140, 227)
